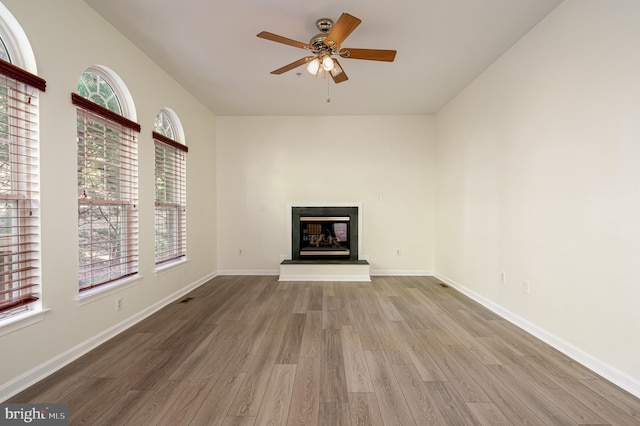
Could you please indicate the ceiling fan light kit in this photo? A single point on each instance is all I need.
(327, 63)
(314, 66)
(326, 48)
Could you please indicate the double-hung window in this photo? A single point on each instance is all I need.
(170, 193)
(19, 189)
(107, 185)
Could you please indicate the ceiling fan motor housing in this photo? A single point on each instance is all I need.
(317, 41)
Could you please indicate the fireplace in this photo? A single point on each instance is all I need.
(324, 233)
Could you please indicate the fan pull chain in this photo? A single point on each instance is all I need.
(328, 97)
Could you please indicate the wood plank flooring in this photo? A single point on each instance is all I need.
(248, 350)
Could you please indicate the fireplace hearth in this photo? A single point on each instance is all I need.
(324, 233)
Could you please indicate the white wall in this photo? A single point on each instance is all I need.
(538, 176)
(537, 170)
(266, 162)
(67, 37)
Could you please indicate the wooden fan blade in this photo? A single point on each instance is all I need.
(279, 39)
(368, 54)
(292, 65)
(341, 30)
(341, 76)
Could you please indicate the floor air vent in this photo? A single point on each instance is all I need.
(186, 299)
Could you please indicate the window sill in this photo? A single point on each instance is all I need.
(22, 320)
(170, 265)
(98, 293)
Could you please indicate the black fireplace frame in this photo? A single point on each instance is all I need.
(328, 211)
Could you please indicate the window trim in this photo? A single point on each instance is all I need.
(17, 42)
(15, 322)
(106, 289)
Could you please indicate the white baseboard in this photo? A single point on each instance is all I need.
(596, 365)
(402, 272)
(248, 272)
(22, 382)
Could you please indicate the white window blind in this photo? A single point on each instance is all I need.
(19, 189)
(170, 199)
(107, 194)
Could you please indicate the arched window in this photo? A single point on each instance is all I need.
(170, 189)
(107, 179)
(95, 87)
(164, 125)
(19, 172)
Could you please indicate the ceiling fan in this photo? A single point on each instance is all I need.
(326, 48)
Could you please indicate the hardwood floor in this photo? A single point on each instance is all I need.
(248, 350)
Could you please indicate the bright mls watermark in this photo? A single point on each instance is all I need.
(34, 414)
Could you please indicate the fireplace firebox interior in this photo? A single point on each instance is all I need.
(324, 236)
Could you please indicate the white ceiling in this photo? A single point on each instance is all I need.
(210, 47)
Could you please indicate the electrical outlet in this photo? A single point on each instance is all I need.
(397, 252)
(119, 303)
(526, 287)
(503, 277)
(240, 252)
